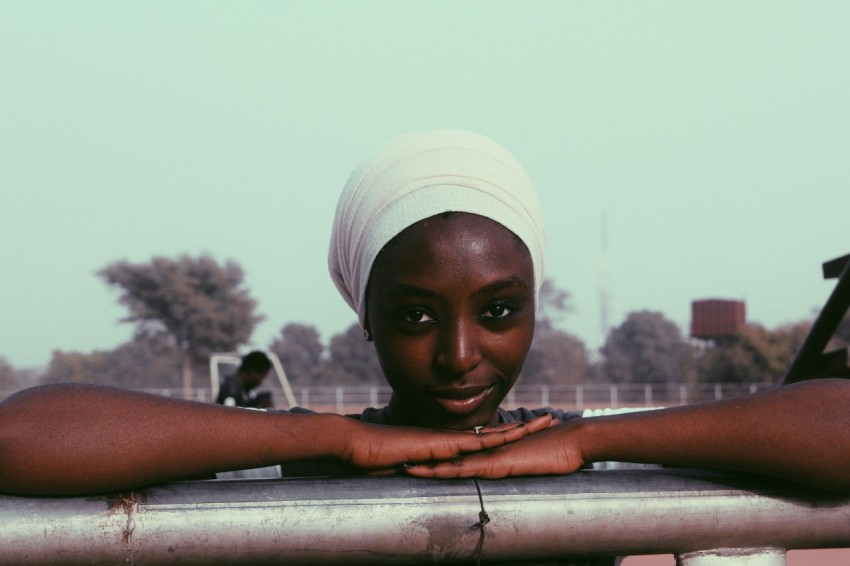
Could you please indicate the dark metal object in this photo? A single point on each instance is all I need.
(811, 362)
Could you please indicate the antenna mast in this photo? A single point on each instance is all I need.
(604, 280)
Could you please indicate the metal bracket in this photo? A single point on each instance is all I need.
(811, 362)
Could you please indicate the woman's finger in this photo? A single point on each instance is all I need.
(467, 443)
(501, 427)
(498, 435)
(457, 468)
(538, 423)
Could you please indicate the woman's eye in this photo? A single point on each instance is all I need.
(416, 316)
(498, 311)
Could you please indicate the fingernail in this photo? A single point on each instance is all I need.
(408, 465)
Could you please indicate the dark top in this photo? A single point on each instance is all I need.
(232, 388)
(523, 415)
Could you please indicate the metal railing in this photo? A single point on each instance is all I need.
(702, 517)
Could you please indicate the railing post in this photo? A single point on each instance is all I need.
(544, 395)
(613, 393)
(647, 395)
(733, 557)
(305, 397)
(373, 396)
(579, 398)
(718, 392)
(340, 400)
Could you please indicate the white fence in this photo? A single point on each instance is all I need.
(353, 399)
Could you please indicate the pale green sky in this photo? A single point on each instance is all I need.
(713, 135)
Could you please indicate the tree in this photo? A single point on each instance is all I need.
(352, 360)
(75, 367)
(8, 379)
(145, 361)
(553, 304)
(200, 305)
(556, 357)
(754, 355)
(841, 337)
(646, 348)
(300, 351)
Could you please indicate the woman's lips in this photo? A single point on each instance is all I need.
(462, 401)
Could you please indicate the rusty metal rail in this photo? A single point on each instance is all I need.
(695, 514)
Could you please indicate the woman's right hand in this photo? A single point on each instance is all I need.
(381, 449)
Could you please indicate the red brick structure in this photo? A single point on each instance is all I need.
(717, 318)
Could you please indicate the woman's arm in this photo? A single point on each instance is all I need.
(799, 432)
(73, 439)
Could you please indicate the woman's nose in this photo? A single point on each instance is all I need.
(458, 349)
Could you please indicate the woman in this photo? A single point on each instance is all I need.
(438, 246)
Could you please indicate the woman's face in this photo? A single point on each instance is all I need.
(450, 305)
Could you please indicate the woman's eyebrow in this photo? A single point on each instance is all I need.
(407, 290)
(501, 285)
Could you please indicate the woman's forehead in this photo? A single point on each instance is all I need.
(452, 226)
(438, 241)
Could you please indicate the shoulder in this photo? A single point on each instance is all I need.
(524, 415)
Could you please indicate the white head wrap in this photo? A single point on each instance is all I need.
(417, 176)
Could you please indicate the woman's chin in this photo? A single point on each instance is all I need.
(466, 422)
(436, 415)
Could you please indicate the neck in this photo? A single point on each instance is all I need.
(397, 415)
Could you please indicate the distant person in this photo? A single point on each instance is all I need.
(238, 389)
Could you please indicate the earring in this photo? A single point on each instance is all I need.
(367, 335)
